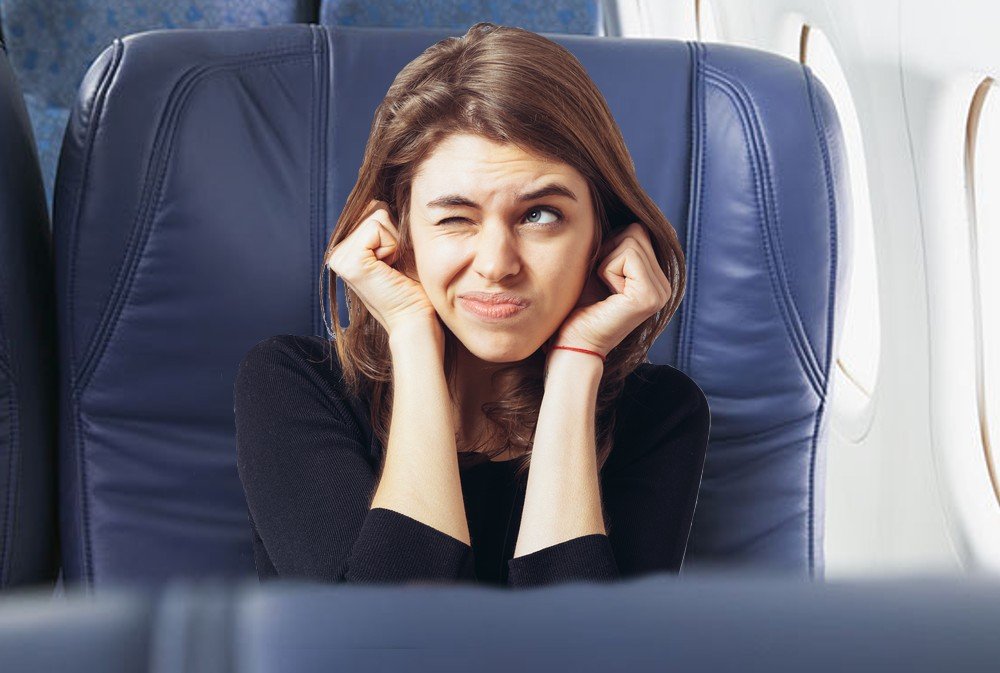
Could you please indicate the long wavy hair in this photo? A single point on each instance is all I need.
(507, 85)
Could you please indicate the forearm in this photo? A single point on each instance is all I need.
(562, 498)
(420, 477)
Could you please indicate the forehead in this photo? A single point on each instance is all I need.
(474, 165)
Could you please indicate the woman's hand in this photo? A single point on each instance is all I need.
(639, 288)
(364, 260)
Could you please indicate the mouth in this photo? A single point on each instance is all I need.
(495, 298)
(492, 311)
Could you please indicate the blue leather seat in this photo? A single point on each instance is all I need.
(199, 181)
(28, 549)
(654, 623)
(53, 43)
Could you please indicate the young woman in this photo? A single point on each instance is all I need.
(505, 276)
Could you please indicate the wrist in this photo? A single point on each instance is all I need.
(578, 349)
(583, 365)
(422, 335)
(559, 342)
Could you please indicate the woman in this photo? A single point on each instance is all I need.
(505, 277)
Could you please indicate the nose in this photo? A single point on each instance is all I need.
(497, 252)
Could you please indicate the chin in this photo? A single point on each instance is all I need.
(499, 349)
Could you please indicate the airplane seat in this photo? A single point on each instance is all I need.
(53, 43)
(28, 535)
(585, 17)
(200, 178)
(653, 623)
(116, 632)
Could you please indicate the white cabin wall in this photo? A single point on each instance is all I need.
(907, 486)
(947, 51)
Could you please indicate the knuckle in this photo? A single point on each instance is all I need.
(381, 217)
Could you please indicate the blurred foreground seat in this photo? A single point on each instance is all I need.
(656, 623)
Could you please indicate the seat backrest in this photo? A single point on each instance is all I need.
(28, 551)
(53, 43)
(202, 174)
(585, 17)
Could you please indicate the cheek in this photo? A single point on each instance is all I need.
(432, 270)
(421, 260)
(561, 284)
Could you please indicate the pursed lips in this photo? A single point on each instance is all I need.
(495, 298)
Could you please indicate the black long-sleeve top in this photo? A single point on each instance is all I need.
(308, 461)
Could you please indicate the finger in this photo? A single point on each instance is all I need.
(385, 243)
(639, 236)
(636, 232)
(629, 265)
(656, 275)
(386, 237)
(384, 217)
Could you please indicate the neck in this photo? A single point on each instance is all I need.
(473, 387)
(473, 383)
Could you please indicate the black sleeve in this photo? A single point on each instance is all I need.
(309, 483)
(651, 492)
(588, 558)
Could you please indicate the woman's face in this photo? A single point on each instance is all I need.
(476, 226)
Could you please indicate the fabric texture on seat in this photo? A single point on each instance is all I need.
(586, 17)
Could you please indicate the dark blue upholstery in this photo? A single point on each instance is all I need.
(78, 633)
(28, 552)
(586, 17)
(53, 43)
(655, 623)
(202, 173)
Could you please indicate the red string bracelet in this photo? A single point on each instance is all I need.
(578, 350)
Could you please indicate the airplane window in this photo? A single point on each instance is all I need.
(858, 353)
(708, 26)
(982, 165)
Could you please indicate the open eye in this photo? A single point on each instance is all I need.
(531, 214)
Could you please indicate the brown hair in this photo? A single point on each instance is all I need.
(512, 86)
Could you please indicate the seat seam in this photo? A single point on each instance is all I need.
(821, 126)
(695, 201)
(754, 119)
(781, 301)
(92, 123)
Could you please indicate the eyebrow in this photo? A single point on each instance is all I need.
(457, 200)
